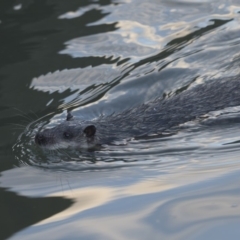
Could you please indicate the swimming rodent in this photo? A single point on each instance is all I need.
(150, 118)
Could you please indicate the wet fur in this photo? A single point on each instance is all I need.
(154, 117)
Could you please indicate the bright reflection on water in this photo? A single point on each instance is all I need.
(121, 207)
(97, 58)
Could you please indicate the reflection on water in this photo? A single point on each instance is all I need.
(187, 149)
(103, 57)
(118, 206)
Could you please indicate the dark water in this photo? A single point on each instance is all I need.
(102, 57)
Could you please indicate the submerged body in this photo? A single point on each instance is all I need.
(151, 118)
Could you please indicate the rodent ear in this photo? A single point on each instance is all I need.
(69, 116)
(90, 130)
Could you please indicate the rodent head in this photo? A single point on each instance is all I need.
(70, 133)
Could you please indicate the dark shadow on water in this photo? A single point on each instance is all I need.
(18, 212)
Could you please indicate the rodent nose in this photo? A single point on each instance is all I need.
(40, 139)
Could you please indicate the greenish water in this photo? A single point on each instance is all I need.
(102, 57)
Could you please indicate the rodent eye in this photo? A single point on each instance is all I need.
(67, 134)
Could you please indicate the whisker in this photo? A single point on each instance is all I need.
(69, 184)
(41, 117)
(64, 153)
(25, 120)
(61, 184)
(34, 113)
(15, 128)
(23, 114)
(17, 124)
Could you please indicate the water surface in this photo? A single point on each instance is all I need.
(102, 57)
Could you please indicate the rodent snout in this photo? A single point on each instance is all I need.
(40, 139)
